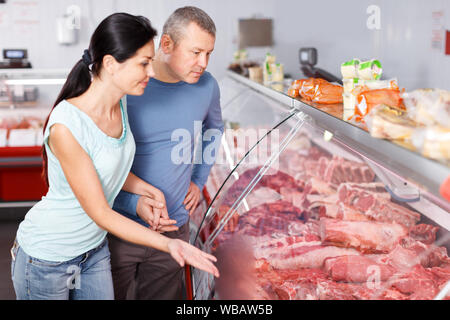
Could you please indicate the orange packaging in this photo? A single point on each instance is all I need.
(328, 93)
(293, 93)
(320, 91)
(294, 88)
(367, 100)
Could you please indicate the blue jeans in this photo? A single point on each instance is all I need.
(86, 277)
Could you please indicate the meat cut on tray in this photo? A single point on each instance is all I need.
(357, 269)
(365, 236)
(376, 204)
(321, 227)
(306, 255)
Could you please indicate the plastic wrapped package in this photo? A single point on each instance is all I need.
(349, 106)
(361, 96)
(386, 123)
(349, 69)
(428, 106)
(367, 70)
(433, 142)
(320, 91)
(293, 90)
(370, 70)
(367, 100)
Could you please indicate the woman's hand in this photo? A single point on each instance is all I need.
(152, 212)
(78, 168)
(161, 211)
(183, 253)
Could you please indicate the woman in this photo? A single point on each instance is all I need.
(61, 251)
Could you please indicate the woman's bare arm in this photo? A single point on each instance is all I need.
(160, 215)
(136, 185)
(82, 178)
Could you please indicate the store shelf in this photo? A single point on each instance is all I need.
(28, 89)
(423, 173)
(322, 171)
(32, 73)
(18, 204)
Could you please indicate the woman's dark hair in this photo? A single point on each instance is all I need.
(120, 35)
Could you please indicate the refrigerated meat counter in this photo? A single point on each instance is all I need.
(302, 205)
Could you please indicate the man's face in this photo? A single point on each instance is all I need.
(189, 57)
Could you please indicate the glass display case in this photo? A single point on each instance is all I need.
(303, 205)
(26, 97)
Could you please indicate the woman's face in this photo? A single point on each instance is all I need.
(133, 74)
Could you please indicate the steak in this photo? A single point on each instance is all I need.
(305, 255)
(424, 233)
(357, 269)
(338, 171)
(376, 205)
(366, 236)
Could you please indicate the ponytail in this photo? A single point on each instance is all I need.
(77, 83)
(120, 35)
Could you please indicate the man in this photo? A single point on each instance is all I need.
(179, 97)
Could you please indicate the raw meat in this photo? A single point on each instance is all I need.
(339, 170)
(366, 236)
(376, 205)
(319, 186)
(305, 255)
(264, 249)
(428, 255)
(274, 181)
(410, 252)
(291, 195)
(340, 211)
(330, 290)
(357, 269)
(425, 233)
(418, 284)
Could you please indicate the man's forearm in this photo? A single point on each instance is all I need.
(126, 202)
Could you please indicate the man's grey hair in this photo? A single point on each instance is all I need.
(182, 17)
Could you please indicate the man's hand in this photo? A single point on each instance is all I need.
(155, 214)
(192, 198)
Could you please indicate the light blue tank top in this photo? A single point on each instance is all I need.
(57, 228)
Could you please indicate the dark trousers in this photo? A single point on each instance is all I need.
(144, 273)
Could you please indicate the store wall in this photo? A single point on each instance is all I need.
(338, 29)
(37, 31)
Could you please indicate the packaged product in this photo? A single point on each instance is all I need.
(269, 62)
(386, 123)
(365, 70)
(368, 99)
(349, 69)
(361, 96)
(320, 91)
(294, 89)
(370, 70)
(428, 106)
(433, 142)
